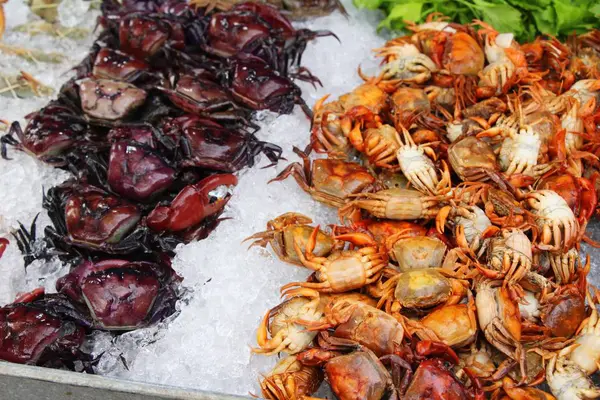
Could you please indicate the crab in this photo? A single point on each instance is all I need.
(51, 133)
(379, 143)
(206, 143)
(499, 319)
(38, 329)
(145, 36)
(341, 271)
(331, 122)
(357, 375)
(258, 86)
(416, 164)
(115, 65)
(198, 93)
(413, 251)
(121, 295)
(422, 289)
(87, 217)
(567, 380)
(359, 322)
(555, 219)
(405, 63)
(108, 100)
(138, 172)
(470, 222)
(433, 378)
(284, 231)
(290, 379)
(509, 256)
(329, 181)
(472, 159)
(453, 324)
(397, 204)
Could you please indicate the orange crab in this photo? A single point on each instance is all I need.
(329, 181)
(342, 271)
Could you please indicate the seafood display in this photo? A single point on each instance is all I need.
(464, 174)
(153, 127)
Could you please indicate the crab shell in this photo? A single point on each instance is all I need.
(372, 328)
(115, 65)
(358, 375)
(109, 100)
(455, 325)
(470, 156)
(422, 288)
(418, 252)
(136, 172)
(94, 217)
(121, 295)
(50, 132)
(32, 334)
(432, 381)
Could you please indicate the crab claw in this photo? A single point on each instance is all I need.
(429, 347)
(193, 204)
(440, 219)
(589, 198)
(357, 238)
(30, 296)
(3, 245)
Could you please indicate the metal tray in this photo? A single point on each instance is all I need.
(22, 382)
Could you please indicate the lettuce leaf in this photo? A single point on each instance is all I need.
(525, 18)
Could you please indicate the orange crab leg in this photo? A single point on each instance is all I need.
(2, 18)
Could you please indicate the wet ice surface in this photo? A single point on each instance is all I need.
(206, 346)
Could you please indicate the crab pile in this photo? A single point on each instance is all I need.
(153, 127)
(464, 175)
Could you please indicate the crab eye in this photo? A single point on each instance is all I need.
(220, 193)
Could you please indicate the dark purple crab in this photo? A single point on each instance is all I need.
(121, 295)
(89, 218)
(261, 30)
(145, 35)
(40, 329)
(116, 65)
(207, 144)
(136, 169)
(50, 134)
(137, 172)
(260, 87)
(198, 92)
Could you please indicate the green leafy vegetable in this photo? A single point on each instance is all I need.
(525, 18)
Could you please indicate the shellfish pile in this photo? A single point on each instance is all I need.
(153, 127)
(464, 175)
